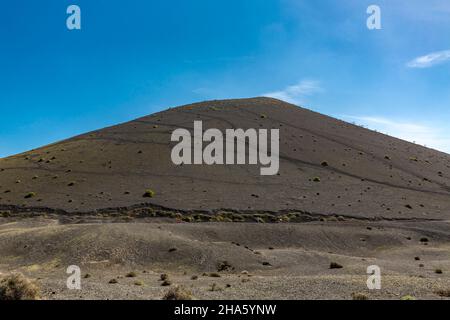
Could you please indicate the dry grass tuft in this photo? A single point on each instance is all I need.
(178, 293)
(17, 287)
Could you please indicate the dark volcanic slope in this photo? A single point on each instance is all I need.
(368, 174)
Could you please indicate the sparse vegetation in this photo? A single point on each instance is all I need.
(131, 274)
(166, 283)
(224, 266)
(148, 193)
(30, 195)
(178, 293)
(408, 297)
(214, 275)
(359, 296)
(17, 287)
(163, 277)
(138, 283)
(443, 293)
(335, 265)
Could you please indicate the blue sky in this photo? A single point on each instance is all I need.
(132, 58)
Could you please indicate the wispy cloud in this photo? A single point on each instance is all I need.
(430, 59)
(297, 92)
(432, 136)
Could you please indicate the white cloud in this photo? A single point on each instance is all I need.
(430, 59)
(297, 92)
(432, 136)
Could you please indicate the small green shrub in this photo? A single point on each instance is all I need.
(148, 193)
(30, 195)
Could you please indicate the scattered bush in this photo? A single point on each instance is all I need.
(316, 179)
(166, 283)
(138, 283)
(113, 281)
(163, 277)
(335, 265)
(178, 293)
(148, 193)
(359, 296)
(131, 274)
(443, 293)
(214, 275)
(438, 271)
(224, 266)
(30, 195)
(17, 287)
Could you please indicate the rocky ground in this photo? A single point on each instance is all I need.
(229, 260)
